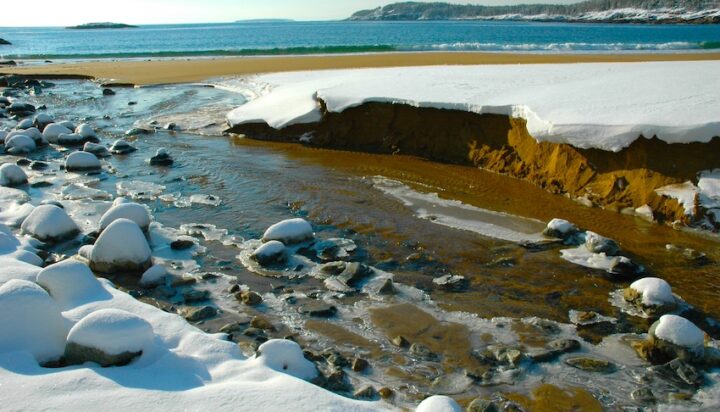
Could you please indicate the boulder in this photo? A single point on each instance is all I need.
(19, 144)
(50, 223)
(87, 132)
(30, 320)
(651, 295)
(560, 228)
(131, 211)
(53, 131)
(269, 253)
(70, 139)
(82, 162)
(623, 268)
(12, 175)
(121, 247)
(673, 336)
(289, 231)
(108, 337)
(451, 283)
(42, 120)
(161, 158)
(600, 244)
(154, 276)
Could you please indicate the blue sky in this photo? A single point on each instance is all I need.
(69, 12)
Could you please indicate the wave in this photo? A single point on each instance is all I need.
(279, 51)
(570, 46)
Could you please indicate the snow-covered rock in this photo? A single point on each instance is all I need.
(19, 144)
(439, 403)
(70, 139)
(108, 337)
(286, 356)
(154, 276)
(85, 130)
(82, 161)
(41, 120)
(50, 223)
(653, 295)
(269, 252)
(32, 133)
(677, 337)
(132, 211)
(24, 124)
(121, 147)
(560, 228)
(30, 321)
(289, 231)
(96, 149)
(67, 124)
(161, 158)
(70, 283)
(121, 247)
(12, 175)
(53, 131)
(596, 243)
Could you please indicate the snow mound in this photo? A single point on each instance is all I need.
(12, 175)
(439, 403)
(154, 276)
(19, 144)
(679, 331)
(82, 161)
(286, 356)
(131, 211)
(112, 331)
(289, 231)
(654, 291)
(53, 131)
(121, 246)
(69, 282)
(591, 105)
(30, 320)
(49, 223)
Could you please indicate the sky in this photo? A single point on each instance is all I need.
(71, 12)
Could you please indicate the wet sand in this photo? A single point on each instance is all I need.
(193, 70)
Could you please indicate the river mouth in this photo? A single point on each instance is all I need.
(516, 297)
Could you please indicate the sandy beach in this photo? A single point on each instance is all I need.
(193, 70)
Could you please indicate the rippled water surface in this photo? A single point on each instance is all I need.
(413, 221)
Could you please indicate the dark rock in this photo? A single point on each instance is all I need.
(195, 314)
(38, 165)
(161, 158)
(624, 268)
(359, 364)
(181, 244)
(590, 364)
(121, 147)
(482, 405)
(681, 372)
(554, 349)
(234, 288)
(422, 351)
(8, 63)
(108, 92)
(23, 162)
(353, 273)
(138, 131)
(254, 332)
(318, 309)
(132, 103)
(249, 298)
(262, 323)
(400, 341)
(194, 295)
(386, 393)
(387, 288)
(76, 354)
(336, 359)
(367, 392)
(333, 268)
(4, 42)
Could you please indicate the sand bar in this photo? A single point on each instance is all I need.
(192, 70)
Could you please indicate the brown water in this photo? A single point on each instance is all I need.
(262, 183)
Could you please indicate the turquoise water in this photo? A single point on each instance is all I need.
(352, 37)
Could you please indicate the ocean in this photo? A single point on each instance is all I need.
(328, 37)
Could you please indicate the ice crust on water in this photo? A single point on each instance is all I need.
(113, 331)
(680, 331)
(591, 105)
(655, 291)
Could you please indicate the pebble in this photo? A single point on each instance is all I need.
(249, 298)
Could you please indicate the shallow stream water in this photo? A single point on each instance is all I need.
(412, 221)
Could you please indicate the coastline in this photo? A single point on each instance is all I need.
(149, 72)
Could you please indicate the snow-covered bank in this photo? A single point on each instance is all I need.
(591, 105)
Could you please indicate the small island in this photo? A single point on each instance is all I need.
(94, 26)
(4, 42)
(265, 21)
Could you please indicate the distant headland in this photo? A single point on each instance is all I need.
(106, 25)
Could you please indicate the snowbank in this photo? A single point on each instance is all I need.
(49, 223)
(285, 356)
(121, 246)
(69, 282)
(289, 231)
(30, 321)
(592, 105)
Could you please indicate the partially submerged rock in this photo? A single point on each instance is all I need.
(596, 243)
(82, 162)
(50, 223)
(96, 149)
(676, 337)
(54, 130)
(19, 144)
(154, 276)
(121, 147)
(121, 247)
(651, 295)
(289, 231)
(161, 158)
(560, 228)
(269, 253)
(108, 337)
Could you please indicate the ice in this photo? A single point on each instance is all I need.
(139, 190)
(30, 321)
(591, 105)
(132, 211)
(685, 193)
(82, 161)
(113, 331)
(79, 191)
(709, 186)
(201, 199)
(121, 246)
(439, 403)
(680, 331)
(12, 175)
(289, 231)
(285, 356)
(655, 291)
(49, 223)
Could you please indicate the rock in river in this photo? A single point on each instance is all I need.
(121, 247)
